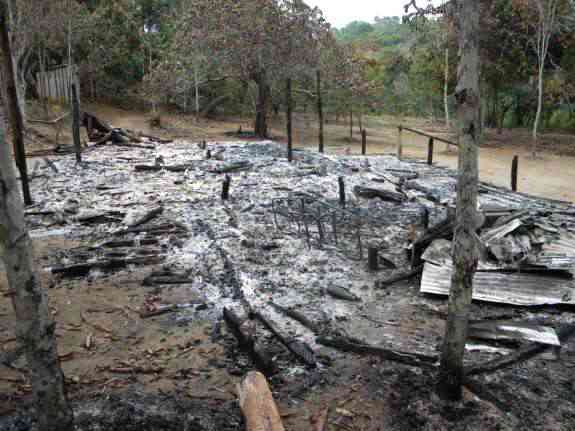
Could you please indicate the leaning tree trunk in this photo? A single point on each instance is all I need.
(261, 126)
(35, 330)
(465, 252)
(12, 104)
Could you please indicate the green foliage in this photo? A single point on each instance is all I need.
(562, 119)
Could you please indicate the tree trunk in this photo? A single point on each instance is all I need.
(35, 329)
(76, 122)
(446, 90)
(12, 104)
(539, 110)
(465, 253)
(196, 94)
(320, 111)
(261, 126)
(289, 120)
(350, 124)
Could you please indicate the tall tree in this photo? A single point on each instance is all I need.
(10, 90)
(546, 24)
(35, 329)
(465, 243)
(260, 41)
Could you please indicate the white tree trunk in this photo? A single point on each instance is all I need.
(197, 93)
(535, 134)
(465, 251)
(446, 90)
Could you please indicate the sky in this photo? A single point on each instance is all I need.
(341, 12)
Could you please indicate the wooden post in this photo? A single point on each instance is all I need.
(514, 171)
(372, 258)
(320, 111)
(425, 219)
(350, 125)
(258, 405)
(341, 182)
(76, 123)
(289, 120)
(400, 143)
(430, 152)
(13, 106)
(364, 142)
(226, 188)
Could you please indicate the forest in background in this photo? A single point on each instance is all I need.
(208, 57)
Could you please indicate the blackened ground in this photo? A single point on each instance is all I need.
(140, 412)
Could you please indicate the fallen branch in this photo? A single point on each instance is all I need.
(521, 355)
(167, 309)
(400, 277)
(82, 269)
(347, 345)
(50, 122)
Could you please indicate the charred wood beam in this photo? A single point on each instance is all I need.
(299, 349)
(348, 345)
(248, 343)
(521, 355)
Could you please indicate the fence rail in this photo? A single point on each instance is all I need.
(430, 145)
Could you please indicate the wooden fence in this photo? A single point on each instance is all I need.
(54, 85)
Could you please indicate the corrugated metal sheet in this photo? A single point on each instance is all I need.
(504, 288)
(508, 330)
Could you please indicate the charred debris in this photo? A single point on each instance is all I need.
(305, 259)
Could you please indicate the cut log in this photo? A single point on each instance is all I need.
(298, 348)
(257, 404)
(350, 345)
(248, 343)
